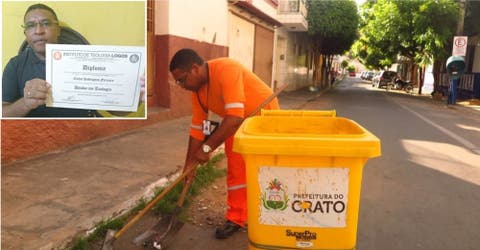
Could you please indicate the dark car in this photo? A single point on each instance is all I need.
(383, 78)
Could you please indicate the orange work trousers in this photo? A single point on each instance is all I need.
(236, 185)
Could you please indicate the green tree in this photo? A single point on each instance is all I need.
(418, 31)
(332, 26)
(378, 45)
(435, 25)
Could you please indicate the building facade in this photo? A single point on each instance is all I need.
(267, 36)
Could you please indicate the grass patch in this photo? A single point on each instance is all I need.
(98, 235)
(205, 175)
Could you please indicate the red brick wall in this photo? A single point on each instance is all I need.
(26, 138)
(23, 139)
(167, 93)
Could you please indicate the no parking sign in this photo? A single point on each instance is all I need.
(459, 46)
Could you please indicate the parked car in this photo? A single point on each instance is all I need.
(351, 73)
(369, 75)
(363, 74)
(383, 78)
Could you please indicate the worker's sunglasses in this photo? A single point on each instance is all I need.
(29, 26)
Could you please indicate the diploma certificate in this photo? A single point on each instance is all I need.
(94, 77)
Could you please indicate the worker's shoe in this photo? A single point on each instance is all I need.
(227, 230)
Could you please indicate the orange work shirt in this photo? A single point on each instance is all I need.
(232, 90)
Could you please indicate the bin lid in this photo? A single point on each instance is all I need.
(305, 135)
(294, 112)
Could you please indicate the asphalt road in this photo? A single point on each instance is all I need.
(422, 193)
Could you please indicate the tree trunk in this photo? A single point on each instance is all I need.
(329, 70)
(436, 75)
(324, 76)
(320, 70)
(421, 78)
(316, 68)
(414, 74)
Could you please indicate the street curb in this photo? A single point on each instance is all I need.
(148, 195)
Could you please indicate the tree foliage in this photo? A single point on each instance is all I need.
(332, 25)
(435, 24)
(418, 30)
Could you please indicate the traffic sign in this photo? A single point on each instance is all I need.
(460, 46)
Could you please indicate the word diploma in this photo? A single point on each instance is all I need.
(94, 77)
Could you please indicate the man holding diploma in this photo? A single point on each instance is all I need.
(24, 88)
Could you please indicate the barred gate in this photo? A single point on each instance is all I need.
(468, 88)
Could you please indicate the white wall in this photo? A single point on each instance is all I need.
(428, 80)
(288, 70)
(205, 21)
(241, 38)
(265, 7)
(161, 17)
(280, 73)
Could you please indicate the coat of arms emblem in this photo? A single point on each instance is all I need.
(275, 196)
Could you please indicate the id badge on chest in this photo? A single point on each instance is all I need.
(209, 126)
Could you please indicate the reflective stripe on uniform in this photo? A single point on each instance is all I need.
(199, 127)
(234, 105)
(236, 187)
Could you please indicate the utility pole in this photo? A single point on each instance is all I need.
(461, 17)
(452, 91)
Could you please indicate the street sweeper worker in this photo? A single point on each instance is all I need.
(228, 89)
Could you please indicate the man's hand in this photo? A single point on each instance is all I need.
(201, 156)
(191, 176)
(35, 93)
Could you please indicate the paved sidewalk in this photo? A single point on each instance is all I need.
(49, 199)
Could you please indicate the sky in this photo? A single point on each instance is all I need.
(359, 2)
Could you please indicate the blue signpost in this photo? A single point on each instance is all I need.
(455, 68)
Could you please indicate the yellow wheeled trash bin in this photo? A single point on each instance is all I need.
(304, 175)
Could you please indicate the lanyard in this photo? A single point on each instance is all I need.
(205, 108)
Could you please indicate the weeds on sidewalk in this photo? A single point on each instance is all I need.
(205, 175)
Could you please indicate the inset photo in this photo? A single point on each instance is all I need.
(74, 59)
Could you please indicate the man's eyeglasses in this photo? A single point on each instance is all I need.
(30, 26)
(182, 81)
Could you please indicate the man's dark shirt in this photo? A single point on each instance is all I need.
(27, 66)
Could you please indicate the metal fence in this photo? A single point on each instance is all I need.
(468, 88)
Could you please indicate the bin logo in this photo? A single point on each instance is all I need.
(275, 196)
